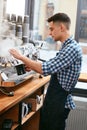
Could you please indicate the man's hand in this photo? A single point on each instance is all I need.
(34, 65)
(15, 54)
(27, 68)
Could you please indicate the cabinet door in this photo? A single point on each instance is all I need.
(32, 123)
(12, 113)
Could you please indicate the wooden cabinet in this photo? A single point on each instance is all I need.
(29, 92)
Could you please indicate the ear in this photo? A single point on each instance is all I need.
(62, 27)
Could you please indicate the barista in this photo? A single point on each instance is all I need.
(64, 69)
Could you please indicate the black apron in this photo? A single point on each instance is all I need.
(52, 112)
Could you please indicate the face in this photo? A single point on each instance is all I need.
(55, 31)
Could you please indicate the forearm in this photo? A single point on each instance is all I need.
(34, 65)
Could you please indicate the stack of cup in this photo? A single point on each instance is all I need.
(25, 39)
(13, 28)
(13, 24)
(19, 20)
(26, 27)
(19, 31)
(8, 17)
(19, 27)
(13, 18)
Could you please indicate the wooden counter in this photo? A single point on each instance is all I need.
(78, 91)
(83, 77)
(8, 105)
(25, 89)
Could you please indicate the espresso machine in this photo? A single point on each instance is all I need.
(10, 73)
(9, 65)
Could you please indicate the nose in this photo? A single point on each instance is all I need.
(50, 33)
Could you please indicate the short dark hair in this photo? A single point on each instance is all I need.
(60, 17)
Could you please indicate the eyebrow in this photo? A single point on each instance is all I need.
(51, 28)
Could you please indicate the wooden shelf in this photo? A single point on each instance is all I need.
(15, 125)
(36, 107)
(27, 117)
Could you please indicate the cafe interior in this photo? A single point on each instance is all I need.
(23, 26)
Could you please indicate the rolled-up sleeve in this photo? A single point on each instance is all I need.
(46, 68)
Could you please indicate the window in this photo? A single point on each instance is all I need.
(13, 7)
(81, 28)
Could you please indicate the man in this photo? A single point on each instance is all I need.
(64, 69)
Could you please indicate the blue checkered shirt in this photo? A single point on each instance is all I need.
(67, 65)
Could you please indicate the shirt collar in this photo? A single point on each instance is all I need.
(67, 41)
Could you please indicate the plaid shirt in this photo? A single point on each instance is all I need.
(67, 65)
